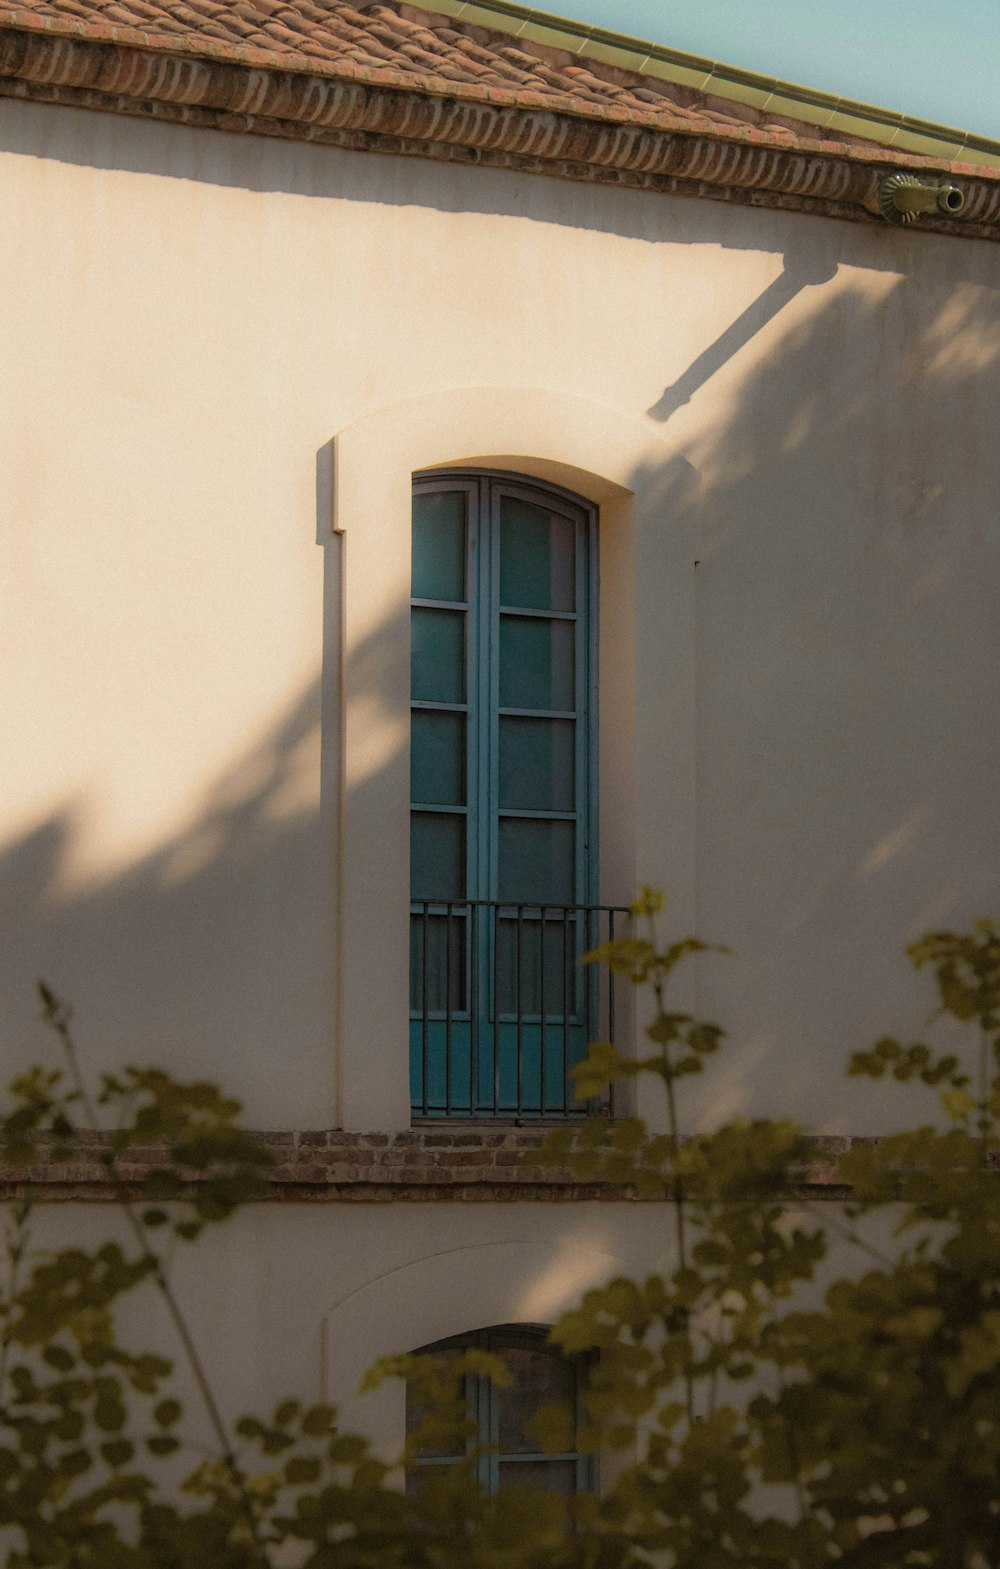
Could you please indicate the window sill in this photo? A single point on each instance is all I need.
(429, 1164)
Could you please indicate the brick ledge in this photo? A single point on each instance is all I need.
(423, 1165)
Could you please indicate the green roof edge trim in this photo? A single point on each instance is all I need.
(789, 98)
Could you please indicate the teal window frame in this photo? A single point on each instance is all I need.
(483, 1398)
(481, 1088)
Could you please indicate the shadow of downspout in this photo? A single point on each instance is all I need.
(796, 275)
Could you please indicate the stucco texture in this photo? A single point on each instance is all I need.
(805, 605)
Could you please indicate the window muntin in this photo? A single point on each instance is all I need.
(502, 792)
(540, 1376)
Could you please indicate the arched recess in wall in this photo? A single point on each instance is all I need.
(447, 1293)
(620, 462)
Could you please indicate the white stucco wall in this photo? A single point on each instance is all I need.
(798, 427)
(300, 1300)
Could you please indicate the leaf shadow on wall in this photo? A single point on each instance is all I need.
(213, 951)
(847, 744)
(205, 952)
(845, 656)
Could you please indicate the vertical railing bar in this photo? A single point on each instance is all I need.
(565, 992)
(541, 1009)
(472, 1002)
(425, 1003)
(598, 997)
(520, 1011)
(611, 1007)
(496, 1008)
(447, 1008)
(590, 979)
(577, 922)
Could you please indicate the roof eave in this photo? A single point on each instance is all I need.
(360, 108)
(770, 94)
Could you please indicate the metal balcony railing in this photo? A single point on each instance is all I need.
(501, 1009)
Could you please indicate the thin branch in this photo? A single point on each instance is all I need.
(985, 1119)
(15, 1256)
(717, 1342)
(848, 1233)
(56, 1016)
(791, 1438)
(678, 1181)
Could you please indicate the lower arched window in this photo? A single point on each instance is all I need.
(503, 846)
(540, 1376)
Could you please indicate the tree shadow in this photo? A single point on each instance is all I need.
(838, 468)
(848, 568)
(211, 949)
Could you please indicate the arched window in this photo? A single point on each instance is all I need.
(540, 1376)
(503, 848)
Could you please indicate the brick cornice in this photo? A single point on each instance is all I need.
(424, 1165)
(241, 89)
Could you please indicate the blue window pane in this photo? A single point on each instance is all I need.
(503, 1414)
(440, 970)
(439, 545)
(536, 860)
(437, 856)
(537, 660)
(499, 739)
(549, 1476)
(537, 557)
(537, 958)
(539, 1377)
(538, 764)
(416, 1415)
(437, 656)
(437, 758)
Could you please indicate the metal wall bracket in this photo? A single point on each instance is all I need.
(903, 197)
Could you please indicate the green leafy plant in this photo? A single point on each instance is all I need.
(864, 1430)
(806, 1384)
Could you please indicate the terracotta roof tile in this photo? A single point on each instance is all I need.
(419, 48)
(299, 65)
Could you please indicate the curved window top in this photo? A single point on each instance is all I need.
(503, 785)
(540, 1376)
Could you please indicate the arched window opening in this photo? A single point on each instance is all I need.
(540, 1376)
(503, 843)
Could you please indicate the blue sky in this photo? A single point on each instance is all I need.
(928, 58)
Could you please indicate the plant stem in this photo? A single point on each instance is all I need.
(57, 1017)
(15, 1256)
(791, 1439)
(849, 1234)
(985, 1120)
(678, 1182)
(677, 1185)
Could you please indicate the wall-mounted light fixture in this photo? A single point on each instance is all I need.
(903, 197)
